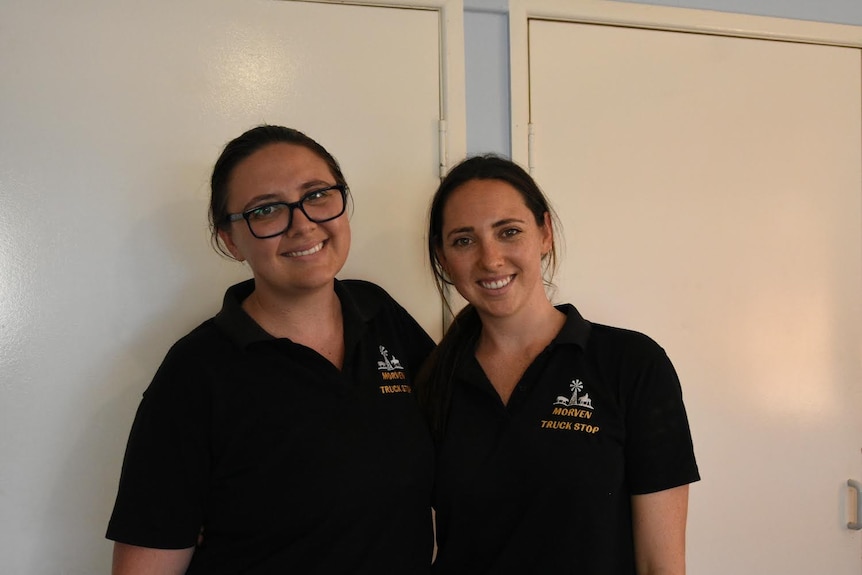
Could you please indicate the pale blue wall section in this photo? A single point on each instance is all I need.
(487, 54)
(486, 43)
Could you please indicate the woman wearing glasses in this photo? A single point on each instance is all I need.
(272, 438)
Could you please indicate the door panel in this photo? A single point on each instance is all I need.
(111, 116)
(711, 194)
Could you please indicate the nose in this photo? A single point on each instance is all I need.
(298, 220)
(491, 256)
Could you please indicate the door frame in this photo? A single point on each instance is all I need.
(453, 100)
(630, 15)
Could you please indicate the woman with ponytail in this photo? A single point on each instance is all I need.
(562, 446)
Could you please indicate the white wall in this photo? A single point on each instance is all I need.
(487, 48)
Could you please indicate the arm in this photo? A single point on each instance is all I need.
(134, 560)
(658, 522)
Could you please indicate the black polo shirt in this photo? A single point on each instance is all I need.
(543, 484)
(290, 465)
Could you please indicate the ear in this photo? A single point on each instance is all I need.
(228, 242)
(547, 234)
(441, 259)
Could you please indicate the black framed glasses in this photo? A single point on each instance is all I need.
(273, 219)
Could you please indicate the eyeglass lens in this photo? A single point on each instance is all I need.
(273, 219)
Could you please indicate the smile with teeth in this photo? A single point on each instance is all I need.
(308, 252)
(497, 284)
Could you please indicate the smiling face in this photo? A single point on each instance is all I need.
(492, 248)
(307, 255)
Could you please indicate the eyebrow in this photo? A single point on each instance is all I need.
(316, 184)
(258, 199)
(495, 225)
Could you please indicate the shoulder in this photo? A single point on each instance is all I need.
(628, 356)
(621, 341)
(367, 298)
(366, 291)
(375, 307)
(191, 361)
(204, 341)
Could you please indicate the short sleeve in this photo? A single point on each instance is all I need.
(659, 449)
(163, 480)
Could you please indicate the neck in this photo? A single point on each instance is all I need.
(311, 318)
(295, 314)
(524, 332)
(507, 346)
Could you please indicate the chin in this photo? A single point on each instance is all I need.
(313, 281)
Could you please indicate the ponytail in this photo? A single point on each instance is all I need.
(436, 380)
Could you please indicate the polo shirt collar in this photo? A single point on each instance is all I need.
(576, 330)
(356, 314)
(244, 331)
(235, 322)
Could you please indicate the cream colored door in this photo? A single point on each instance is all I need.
(111, 115)
(711, 193)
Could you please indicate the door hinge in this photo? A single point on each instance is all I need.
(443, 138)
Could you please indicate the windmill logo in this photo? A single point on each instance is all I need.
(575, 400)
(389, 363)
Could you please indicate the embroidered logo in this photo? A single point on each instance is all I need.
(388, 364)
(572, 413)
(391, 369)
(583, 401)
